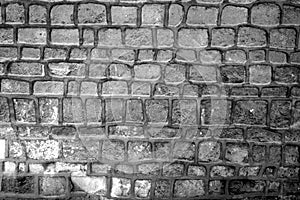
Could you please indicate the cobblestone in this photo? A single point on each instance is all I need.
(142, 99)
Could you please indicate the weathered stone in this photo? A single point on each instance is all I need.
(141, 37)
(175, 14)
(251, 37)
(37, 14)
(153, 14)
(138, 151)
(222, 171)
(188, 188)
(162, 189)
(260, 74)
(124, 15)
(48, 110)
(89, 184)
(283, 38)
(62, 14)
(52, 186)
(15, 13)
(65, 36)
(25, 110)
(91, 13)
(157, 110)
(193, 38)
(237, 153)
(266, 14)
(114, 110)
(32, 35)
(120, 187)
(113, 150)
(172, 170)
(142, 188)
(19, 184)
(42, 150)
(233, 15)
(250, 112)
(223, 37)
(209, 151)
(202, 15)
(63, 69)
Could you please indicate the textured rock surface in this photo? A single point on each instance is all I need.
(149, 99)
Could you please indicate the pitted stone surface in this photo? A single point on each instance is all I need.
(149, 99)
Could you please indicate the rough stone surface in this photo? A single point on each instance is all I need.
(149, 99)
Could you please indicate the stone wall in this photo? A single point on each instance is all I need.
(149, 100)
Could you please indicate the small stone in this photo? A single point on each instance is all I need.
(217, 187)
(283, 38)
(251, 37)
(162, 189)
(90, 13)
(222, 171)
(157, 110)
(25, 110)
(138, 151)
(89, 184)
(280, 114)
(235, 56)
(239, 17)
(291, 15)
(18, 184)
(42, 150)
(48, 88)
(250, 112)
(165, 38)
(196, 171)
(188, 188)
(37, 14)
(52, 186)
(65, 36)
(223, 37)
(260, 74)
(4, 110)
(202, 73)
(2, 149)
(113, 150)
(184, 112)
(32, 35)
(120, 187)
(184, 151)
(62, 14)
(266, 14)
(6, 36)
(124, 15)
(72, 110)
(237, 153)
(153, 14)
(142, 188)
(209, 151)
(114, 88)
(114, 110)
(15, 13)
(48, 110)
(202, 15)
(110, 37)
(63, 69)
(141, 37)
(175, 73)
(193, 38)
(147, 71)
(31, 53)
(175, 14)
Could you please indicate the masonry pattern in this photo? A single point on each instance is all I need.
(136, 99)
